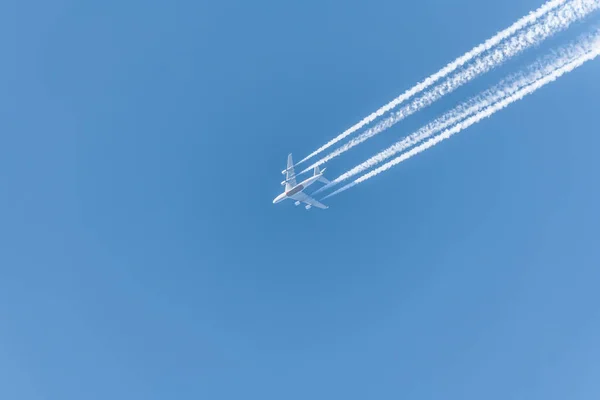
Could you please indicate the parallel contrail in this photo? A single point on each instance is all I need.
(553, 23)
(593, 53)
(487, 45)
(504, 89)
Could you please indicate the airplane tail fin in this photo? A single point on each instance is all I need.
(319, 172)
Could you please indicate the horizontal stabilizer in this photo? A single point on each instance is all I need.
(318, 172)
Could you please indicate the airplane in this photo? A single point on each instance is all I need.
(295, 191)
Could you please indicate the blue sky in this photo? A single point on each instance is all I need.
(141, 256)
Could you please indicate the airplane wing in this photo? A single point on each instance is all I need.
(303, 197)
(290, 176)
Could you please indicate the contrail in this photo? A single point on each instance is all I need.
(553, 23)
(476, 118)
(504, 89)
(451, 67)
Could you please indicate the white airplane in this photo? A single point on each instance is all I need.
(295, 191)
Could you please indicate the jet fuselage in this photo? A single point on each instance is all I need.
(297, 189)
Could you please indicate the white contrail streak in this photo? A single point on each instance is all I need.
(451, 67)
(553, 23)
(504, 89)
(595, 52)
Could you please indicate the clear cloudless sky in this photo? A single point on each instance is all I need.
(141, 256)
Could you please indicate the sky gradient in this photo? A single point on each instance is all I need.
(141, 256)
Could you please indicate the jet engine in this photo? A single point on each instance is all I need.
(283, 183)
(308, 207)
(297, 203)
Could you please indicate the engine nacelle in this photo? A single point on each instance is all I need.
(283, 183)
(284, 172)
(308, 207)
(297, 203)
